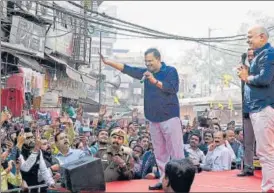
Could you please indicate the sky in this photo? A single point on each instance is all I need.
(188, 18)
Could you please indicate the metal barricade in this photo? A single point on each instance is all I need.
(29, 188)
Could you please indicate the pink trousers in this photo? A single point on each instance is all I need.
(167, 141)
(263, 125)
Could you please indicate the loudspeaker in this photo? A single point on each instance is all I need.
(85, 174)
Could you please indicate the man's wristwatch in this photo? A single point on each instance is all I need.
(156, 82)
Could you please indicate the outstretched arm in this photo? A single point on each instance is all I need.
(134, 72)
(116, 65)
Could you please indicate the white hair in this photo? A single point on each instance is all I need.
(259, 29)
(263, 30)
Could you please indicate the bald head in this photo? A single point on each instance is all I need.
(230, 135)
(258, 30)
(257, 37)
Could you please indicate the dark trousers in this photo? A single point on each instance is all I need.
(249, 141)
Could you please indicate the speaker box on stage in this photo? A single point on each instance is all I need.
(84, 174)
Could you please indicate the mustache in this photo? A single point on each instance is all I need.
(115, 143)
(31, 144)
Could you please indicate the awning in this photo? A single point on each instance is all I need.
(88, 101)
(29, 62)
(74, 74)
(89, 105)
(58, 60)
(19, 52)
(89, 80)
(12, 48)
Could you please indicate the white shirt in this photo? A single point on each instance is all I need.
(195, 155)
(44, 173)
(218, 160)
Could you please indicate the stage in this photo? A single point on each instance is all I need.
(204, 182)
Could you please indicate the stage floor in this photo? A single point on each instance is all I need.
(203, 182)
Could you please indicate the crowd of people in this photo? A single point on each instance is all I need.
(32, 155)
(163, 148)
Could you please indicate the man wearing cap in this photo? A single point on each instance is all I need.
(118, 164)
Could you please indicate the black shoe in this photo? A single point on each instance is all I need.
(157, 186)
(245, 173)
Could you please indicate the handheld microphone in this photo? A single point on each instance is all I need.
(143, 79)
(243, 58)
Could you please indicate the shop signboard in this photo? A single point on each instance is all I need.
(28, 35)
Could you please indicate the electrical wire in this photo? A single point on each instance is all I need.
(145, 28)
(124, 29)
(79, 26)
(129, 35)
(158, 31)
(151, 36)
(128, 30)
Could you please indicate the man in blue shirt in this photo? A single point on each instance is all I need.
(67, 154)
(161, 106)
(259, 100)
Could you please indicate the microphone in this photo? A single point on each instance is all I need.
(243, 58)
(143, 79)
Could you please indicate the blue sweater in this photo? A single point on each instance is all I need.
(259, 92)
(159, 104)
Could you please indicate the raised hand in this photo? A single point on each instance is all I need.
(18, 165)
(20, 140)
(10, 165)
(103, 110)
(9, 145)
(38, 142)
(102, 58)
(211, 147)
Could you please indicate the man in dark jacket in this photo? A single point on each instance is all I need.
(33, 169)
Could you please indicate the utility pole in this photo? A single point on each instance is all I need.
(100, 71)
(209, 61)
(85, 29)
